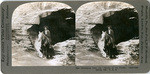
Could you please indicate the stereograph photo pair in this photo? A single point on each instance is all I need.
(75, 36)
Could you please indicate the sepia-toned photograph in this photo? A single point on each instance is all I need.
(73, 36)
(107, 34)
(43, 34)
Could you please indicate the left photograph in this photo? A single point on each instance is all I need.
(43, 34)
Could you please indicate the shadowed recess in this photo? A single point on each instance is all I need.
(61, 24)
(123, 22)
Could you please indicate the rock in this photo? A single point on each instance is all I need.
(128, 48)
(66, 54)
(32, 17)
(92, 12)
(124, 28)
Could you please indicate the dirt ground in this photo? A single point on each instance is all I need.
(86, 57)
(24, 54)
(87, 54)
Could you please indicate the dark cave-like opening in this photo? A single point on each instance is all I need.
(124, 24)
(61, 25)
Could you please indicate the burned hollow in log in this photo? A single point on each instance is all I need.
(124, 24)
(61, 25)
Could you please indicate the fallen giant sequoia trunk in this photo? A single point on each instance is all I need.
(61, 24)
(123, 22)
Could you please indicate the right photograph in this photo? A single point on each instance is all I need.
(107, 34)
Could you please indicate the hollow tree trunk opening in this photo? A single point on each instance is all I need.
(61, 25)
(124, 23)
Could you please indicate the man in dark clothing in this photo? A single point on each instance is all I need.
(47, 32)
(112, 50)
(110, 32)
(50, 48)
